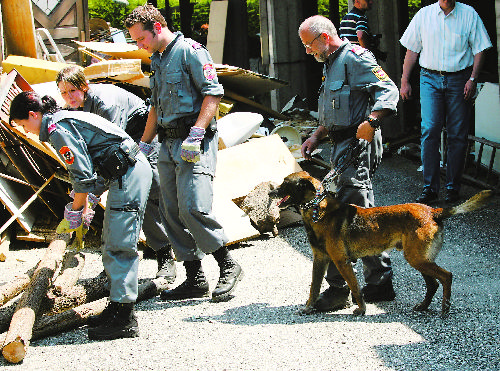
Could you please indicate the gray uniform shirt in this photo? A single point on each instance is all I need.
(116, 105)
(180, 78)
(352, 82)
(81, 139)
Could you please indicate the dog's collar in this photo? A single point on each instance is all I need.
(314, 204)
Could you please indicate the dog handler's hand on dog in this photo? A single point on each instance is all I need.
(313, 141)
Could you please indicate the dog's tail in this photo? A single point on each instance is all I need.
(474, 203)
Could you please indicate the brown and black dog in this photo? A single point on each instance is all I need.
(344, 233)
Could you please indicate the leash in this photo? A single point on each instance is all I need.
(348, 158)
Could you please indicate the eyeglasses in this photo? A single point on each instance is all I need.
(309, 46)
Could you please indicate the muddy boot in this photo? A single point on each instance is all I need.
(106, 315)
(230, 274)
(166, 264)
(122, 324)
(333, 298)
(195, 285)
(377, 293)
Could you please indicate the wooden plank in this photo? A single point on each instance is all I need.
(235, 222)
(11, 200)
(122, 70)
(4, 245)
(117, 50)
(242, 167)
(19, 27)
(33, 70)
(239, 169)
(11, 85)
(217, 30)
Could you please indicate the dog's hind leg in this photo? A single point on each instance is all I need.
(432, 286)
(320, 263)
(433, 270)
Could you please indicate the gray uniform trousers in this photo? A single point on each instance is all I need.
(153, 226)
(355, 187)
(123, 217)
(187, 194)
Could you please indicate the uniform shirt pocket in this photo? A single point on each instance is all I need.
(337, 103)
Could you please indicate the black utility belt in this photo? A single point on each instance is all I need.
(341, 134)
(118, 160)
(179, 129)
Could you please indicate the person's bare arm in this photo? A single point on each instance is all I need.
(409, 62)
(470, 86)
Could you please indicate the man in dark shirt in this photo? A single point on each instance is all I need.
(354, 25)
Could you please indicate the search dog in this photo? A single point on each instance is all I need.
(343, 233)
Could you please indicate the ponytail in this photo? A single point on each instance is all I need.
(27, 101)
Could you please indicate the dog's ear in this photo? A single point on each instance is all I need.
(304, 185)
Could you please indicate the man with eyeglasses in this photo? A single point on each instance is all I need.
(351, 80)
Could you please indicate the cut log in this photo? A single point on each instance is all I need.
(14, 287)
(76, 317)
(56, 301)
(71, 268)
(20, 331)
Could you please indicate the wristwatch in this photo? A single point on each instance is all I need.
(374, 122)
(473, 79)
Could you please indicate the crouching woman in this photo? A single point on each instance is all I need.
(91, 146)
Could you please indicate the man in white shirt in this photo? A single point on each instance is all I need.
(449, 40)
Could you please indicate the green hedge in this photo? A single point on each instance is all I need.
(115, 12)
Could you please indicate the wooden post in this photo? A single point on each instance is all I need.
(20, 331)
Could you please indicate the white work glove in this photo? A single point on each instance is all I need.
(146, 148)
(190, 149)
(72, 222)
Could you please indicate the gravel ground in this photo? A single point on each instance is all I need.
(259, 328)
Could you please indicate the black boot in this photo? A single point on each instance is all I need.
(195, 285)
(122, 324)
(230, 274)
(106, 315)
(166, 264)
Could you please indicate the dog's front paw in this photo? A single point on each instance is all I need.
(359, 311)
(306, 310)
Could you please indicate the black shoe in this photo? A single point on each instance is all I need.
(376, 293)
(333, 298)
(166, 265)
(186, 290)
(230, 274)
(123, 324)
(427, 196)
(452, 196)
(105, 316)
(195, 285)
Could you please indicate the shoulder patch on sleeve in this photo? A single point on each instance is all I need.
(197, 46)
(356, 49)
(52, 127)
(380, 73)
(67, 155)
(209, 71)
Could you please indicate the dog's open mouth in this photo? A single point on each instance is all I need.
(283, 200)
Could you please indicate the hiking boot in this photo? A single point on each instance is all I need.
(376, 293)
(105, 316)
(427, 196)
(333, 298)
(230, 274)
(166, 264)
(122, 324)
(195, 285)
